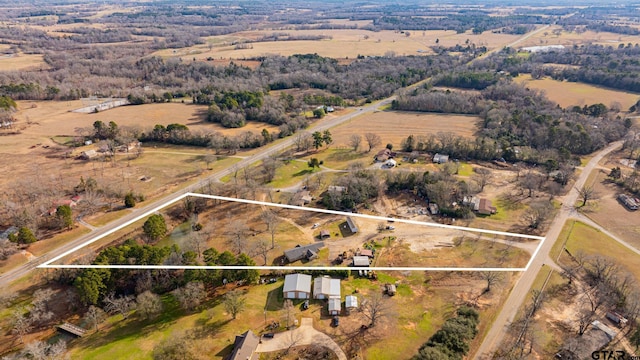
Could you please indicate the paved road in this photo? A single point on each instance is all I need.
(276, 148)
(304, 335)
(520, 291)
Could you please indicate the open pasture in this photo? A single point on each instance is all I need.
(50, 118)
(548, 37)
(20, 61)
(569, 93)
(394, 126)
(343, 43)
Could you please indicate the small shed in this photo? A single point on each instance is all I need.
(440, 158)
(391, 163)
(89, 154)
(366, 252)
(297, 286)
(351, 302)
(324, 234)
(629, 202)
(334, 306)
(361, 261)
(433, 209)
(337, 189)
(352, 225)
(302, 198)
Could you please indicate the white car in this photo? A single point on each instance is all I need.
(315, 225)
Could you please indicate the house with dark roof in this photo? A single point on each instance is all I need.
(297, 286)
(324, 234)
(485, 207)
(245, 346)
(629, 202)
(306, 252)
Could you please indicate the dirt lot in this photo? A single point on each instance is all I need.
(569, 94)
(343, 43)
(404, 124)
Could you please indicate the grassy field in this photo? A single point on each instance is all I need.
(573, 38)
(394, 126)
(343, 43)
(17, 62)
(582, 237)
(569, 94)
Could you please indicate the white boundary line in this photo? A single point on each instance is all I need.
(48, 263)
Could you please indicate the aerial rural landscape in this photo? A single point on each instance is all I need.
(319, 180)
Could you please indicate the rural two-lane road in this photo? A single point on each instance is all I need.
(520, 292)
(18, 272)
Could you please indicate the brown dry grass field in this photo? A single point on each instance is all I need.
(394, 126)
(607, 210)
(570, 93)
(573, 38)
(22, 61)
(51, 118)
(343, 43)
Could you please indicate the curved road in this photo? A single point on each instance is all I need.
(280, 146)
(520, 291)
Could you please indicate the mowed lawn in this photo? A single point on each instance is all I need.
(394, 126)
(571, 93)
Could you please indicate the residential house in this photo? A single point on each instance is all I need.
(297, 286)
(384, 155)
(245, 346)
(302, 198)
(485, 207)
(325, 287)
(306, 252)
(335, 306)
(440, 158)
(361, 261)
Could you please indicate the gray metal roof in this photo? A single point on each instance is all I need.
(300, 252)
(327, 286)
(297, 282)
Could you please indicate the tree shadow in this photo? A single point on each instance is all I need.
(275, 299)
(208, 329)
(303, 172)
(226, 351)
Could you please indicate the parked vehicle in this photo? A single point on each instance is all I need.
(268, 336)
(305, 305)
(335, 321)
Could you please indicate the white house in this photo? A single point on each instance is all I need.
(297, 286)
(325, 288)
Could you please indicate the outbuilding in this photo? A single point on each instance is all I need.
(325, 287)
(361, 261)
(297, 286)
(334, 306)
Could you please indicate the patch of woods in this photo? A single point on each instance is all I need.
(477, 21)
(515, 117)
(595, 285)
(451, 342)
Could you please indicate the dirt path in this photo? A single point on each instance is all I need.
(304, 335)
(520, 291)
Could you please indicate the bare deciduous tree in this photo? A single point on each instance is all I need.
(482, 177)
(354, 141)
(94, 316)
(118, 304)
(303, 141)
(587, 193)
(148, 304)
(491, 277)
(373, 140)
(537, 213)
(237, 231)
(272, 220)
(233, 303)
(21, 323)
(191, 295)
(375, 308)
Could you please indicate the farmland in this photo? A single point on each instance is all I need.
(568, 94)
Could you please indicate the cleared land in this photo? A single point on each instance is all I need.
(343, 43)
(395, 126)
(20, 61)
(50, 118)
(547, 37)
(570, 93)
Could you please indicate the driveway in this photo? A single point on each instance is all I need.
(304, 335)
